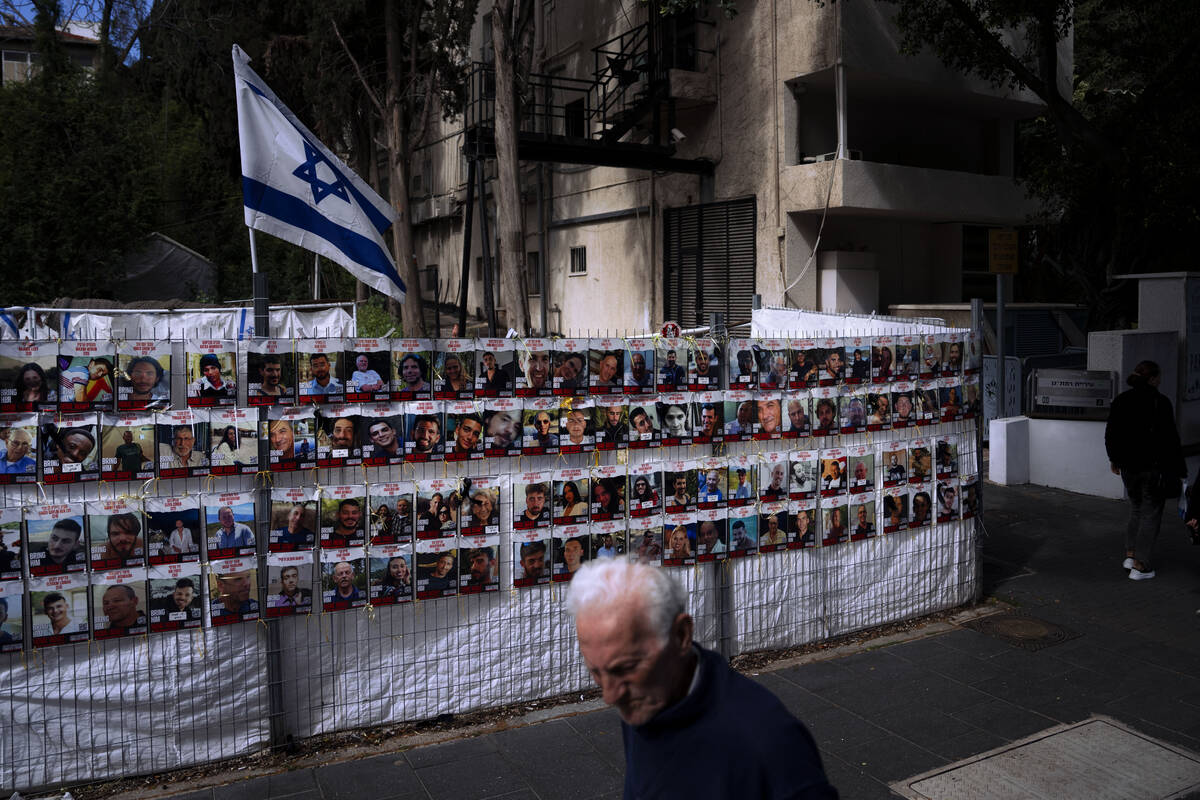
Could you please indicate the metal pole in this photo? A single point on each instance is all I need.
(543, 266)
(316, 276)
(262, 318)
(1002, 388)
(489, 295)
(840, 92)
(465, 273)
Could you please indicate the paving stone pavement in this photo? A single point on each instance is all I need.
(885, 714)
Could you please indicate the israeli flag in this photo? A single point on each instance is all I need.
(294, 188)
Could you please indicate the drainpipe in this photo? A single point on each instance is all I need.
(840, 73)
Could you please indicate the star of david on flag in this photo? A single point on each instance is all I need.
(293, 187)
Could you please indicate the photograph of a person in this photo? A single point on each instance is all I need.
(571, 498)
(833, 524)
(773, 374)
(705, 366)
(740, 489)
(972, 404)
(533, 358)
(644, 491)
(947, 495)
(743, 535)
(825, 416)
(950, 400)
(807, 359)
(931, 356)
(531, 502)
(970, 497)
(895, 510)
(233, 448)
(946, 457)
(173, 529)
(502, 430)
(712, 539)
(85, 376)
(343, 579)
(539, 428)
(570, 378)
(741, 417)
(674, 421)
(920, 506)
(919, 463)
(797, 422)
(862, 469)
(862, 518)
(337, 436)
(343, 516)
(319, 366)
(391, 575)
(883, 359)
(640, 367)
(908, 357)
(895, 463)
(175, 597)
(679, 542)
(772, 527)
(833, 363)
(464, 431)
(56, 540)
(181, 439)
(772, 481)
(69, 449)
(292, 439)
(858, 357)
(608, 498)
(289, 584)
(928, 405)
(453, 378)
(879, 411)
(710, 484)
(370, 371)
(804, 526)
(28, 376)
(575, 433)
(478, 569)
(530, 562)
(709, 419)
(903, 410)
(119, 605)
(437, 508)
(768, 411)
(570, 553)
(229, 524)
(116, 534)
(127, 446)
(391, 513)
(411, 372)
(424, 442)
(11, 546)
(232, 591)
(743, 366)
(494, 368)
(59, 610)
(437, 573)
(18, 462)
(270, 372)
(381, 435)
(611, 425)
(804, 480)
(480, 512)
(952, 356)
(680, 493)
(143, 375)
(606, 370)
(12, 622)
(643, 424)
(645, 545)
(671, 357)
(833, 473)
(608, 543)
(212, 370)
(853, 413)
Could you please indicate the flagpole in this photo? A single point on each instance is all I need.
(262, 323)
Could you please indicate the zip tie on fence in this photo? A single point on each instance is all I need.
(146, 487)
(369, 611)
(265, 477)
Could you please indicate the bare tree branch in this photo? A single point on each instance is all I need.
(358, 71)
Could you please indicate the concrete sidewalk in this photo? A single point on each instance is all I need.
(885, 714)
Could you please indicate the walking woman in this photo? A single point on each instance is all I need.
(1143, 448)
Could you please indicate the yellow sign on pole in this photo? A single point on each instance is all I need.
(1002, 251)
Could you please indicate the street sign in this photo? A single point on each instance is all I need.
(1002, 251)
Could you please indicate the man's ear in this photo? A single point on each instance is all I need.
(681, 632)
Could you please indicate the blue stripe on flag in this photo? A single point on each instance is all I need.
(380, 221)
(242, 325)
(66, 326)
(12, 323)
(294, 211)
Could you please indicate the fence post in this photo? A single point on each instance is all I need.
(977, 332)
(716, 330)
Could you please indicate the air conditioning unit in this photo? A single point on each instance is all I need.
(419, 210)
(443, 206)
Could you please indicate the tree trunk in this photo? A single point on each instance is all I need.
(397, 146)
(510, 215)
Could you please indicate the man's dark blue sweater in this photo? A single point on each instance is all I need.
(729, 737)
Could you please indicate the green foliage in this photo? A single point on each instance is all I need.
(374, 319)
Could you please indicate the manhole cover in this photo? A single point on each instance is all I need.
(1098, 758)
(1022, 630)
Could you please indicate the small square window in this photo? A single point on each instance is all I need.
(533, 274)
(578, 260)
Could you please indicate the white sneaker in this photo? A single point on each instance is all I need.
(1136, 574)
(1128, 564)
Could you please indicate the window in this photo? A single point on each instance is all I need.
(710, 261)
(429, 280)
(578, 260)
(574, 117)
(18, 67)
(533, 284)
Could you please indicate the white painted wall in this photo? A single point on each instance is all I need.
(1008, 451)
(1070, 455)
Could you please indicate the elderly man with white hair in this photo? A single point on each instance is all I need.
(678, 699)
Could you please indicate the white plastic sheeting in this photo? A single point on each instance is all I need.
(231, 323)
(775, 322)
